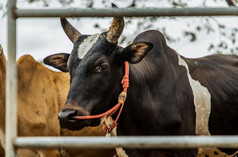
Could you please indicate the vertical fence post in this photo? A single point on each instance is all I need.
(11, 82)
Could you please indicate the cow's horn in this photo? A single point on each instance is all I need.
(116, 28)
(72, 33)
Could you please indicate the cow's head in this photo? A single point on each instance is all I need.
(94, 78)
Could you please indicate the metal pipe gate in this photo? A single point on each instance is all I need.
(13, 142)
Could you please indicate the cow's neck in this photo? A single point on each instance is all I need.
(138, 107)
(150, 100)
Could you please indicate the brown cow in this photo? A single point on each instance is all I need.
(41, 94)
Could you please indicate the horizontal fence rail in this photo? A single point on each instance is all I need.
(129, 142)
(135, 12)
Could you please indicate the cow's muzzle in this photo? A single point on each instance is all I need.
(67, 120)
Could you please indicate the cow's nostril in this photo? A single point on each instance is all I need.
(67, 115)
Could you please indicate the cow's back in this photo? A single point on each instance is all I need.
(219, 74)
(39, 94)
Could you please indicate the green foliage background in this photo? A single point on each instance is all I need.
(227, 35)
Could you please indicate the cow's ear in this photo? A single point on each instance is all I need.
(135, 52)
(58, 61)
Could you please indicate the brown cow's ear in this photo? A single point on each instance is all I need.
(58, 61)
(135, 52)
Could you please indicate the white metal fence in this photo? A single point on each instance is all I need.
(13, 142)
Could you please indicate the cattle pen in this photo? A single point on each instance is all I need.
(13, 142)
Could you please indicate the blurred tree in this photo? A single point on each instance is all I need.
(227, 42)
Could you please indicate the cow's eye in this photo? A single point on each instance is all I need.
(102, 68)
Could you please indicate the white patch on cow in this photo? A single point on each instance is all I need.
(86, 44)
(108, 121)
(202, 102)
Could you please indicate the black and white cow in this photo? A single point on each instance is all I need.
(168, 94)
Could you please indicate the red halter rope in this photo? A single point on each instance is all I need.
(121, 101)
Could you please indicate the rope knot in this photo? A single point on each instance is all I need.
(125, 81)
(106, 129)
(114, 124)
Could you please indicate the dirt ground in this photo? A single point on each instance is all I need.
(213, 152)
